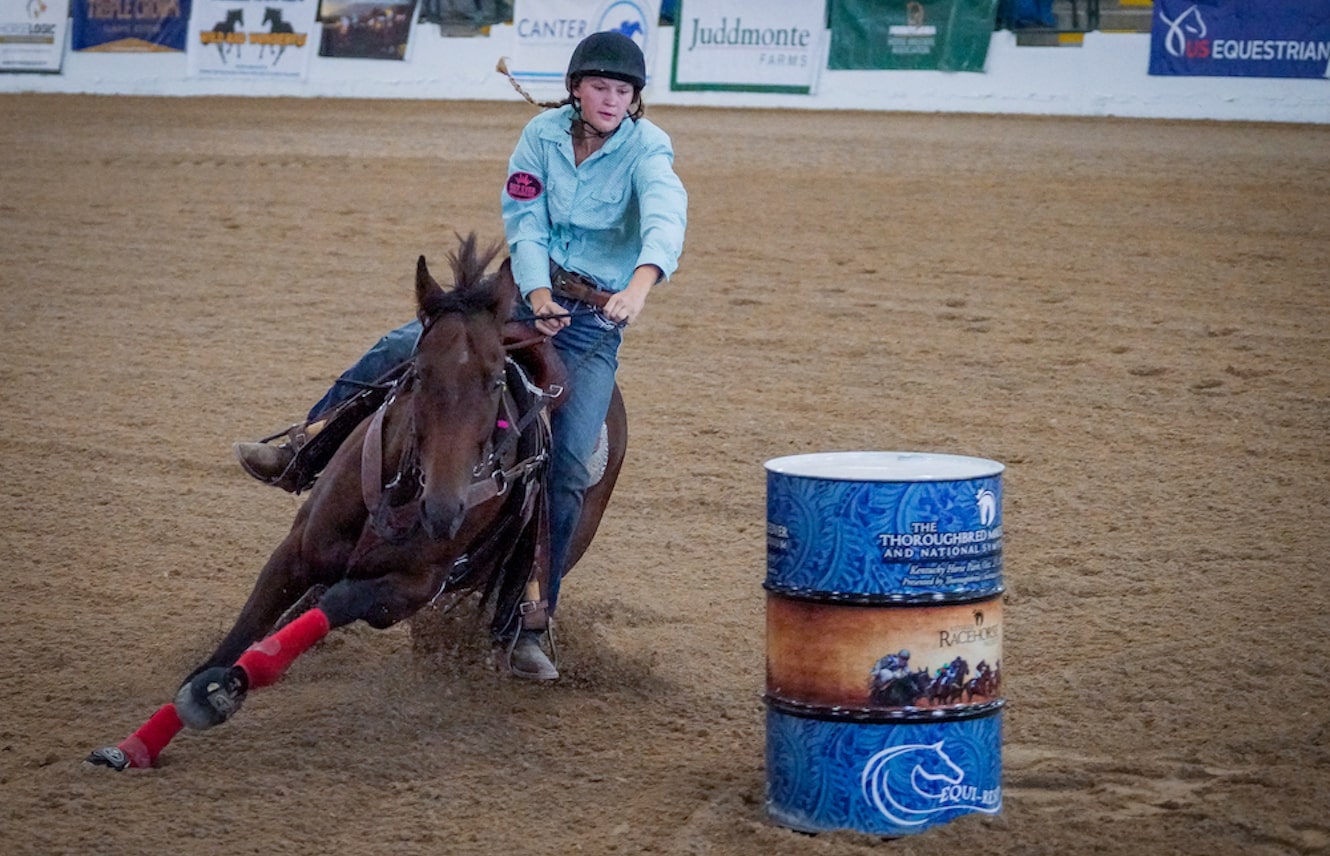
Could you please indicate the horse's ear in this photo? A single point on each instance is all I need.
(428, 291)
(506, 293)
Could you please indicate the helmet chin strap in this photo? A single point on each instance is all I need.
(586, 128)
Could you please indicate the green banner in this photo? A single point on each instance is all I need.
(934, 35)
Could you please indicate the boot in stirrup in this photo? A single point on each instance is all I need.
(528, 659)
(268, 461)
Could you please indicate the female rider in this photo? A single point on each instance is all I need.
(592, 193)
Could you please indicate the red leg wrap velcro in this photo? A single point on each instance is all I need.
(268, 659)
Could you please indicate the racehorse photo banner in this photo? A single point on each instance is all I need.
(749, 45)
(1241, 38)
(548, 30)
(933, 35)
(32, 34)
(254, 38)
(129, 26)
(353, 29)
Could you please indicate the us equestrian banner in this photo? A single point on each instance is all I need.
(32, 34)
(129, 26)
(251, 38)
(938, 35)
(547, 31)
(749, 45)
(1241, 38)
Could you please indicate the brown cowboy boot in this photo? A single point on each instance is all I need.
(268, 461)
(264, 461)
(526, 653)
(528, 658)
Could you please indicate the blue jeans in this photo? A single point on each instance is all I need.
(589, 346)
(387, 354)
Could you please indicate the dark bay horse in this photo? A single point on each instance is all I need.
(434, 493)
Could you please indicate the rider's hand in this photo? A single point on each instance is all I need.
(550, 316)
(624, 306)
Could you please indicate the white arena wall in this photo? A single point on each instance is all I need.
(1105, 76)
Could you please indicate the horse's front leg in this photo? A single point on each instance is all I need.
(284, 580)
(215, 693)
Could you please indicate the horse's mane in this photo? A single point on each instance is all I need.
(473, 289)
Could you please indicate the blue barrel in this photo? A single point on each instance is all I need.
(884, 640)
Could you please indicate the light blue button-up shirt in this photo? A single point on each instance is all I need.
(623, 207)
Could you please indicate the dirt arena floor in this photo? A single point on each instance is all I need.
(1133, 316)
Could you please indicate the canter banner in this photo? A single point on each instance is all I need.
(936, 35)
(129, 26)
(252, 38)
(32, 34)
(1241, 38)
(749, 45)
(548, 30)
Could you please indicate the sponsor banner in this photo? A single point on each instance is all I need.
(360, 30)
(32, 34)
(749, 45)
(888, 779)
(1241, 38)
(841, 659)
(465, 17)
(548, 30)
(129, 26)
(935, 35)
(251, 38)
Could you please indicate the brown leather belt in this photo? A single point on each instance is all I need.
(572, 286)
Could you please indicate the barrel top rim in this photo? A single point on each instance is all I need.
(867, 466)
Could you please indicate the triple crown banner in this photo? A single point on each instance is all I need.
(1241, 38)
(251, 38)
(129, 26)
(938, 35)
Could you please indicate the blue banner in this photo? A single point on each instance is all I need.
(129, 25)
(1241, 38)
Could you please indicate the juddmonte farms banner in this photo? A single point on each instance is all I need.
(132, 26)
(32, 34)
(548, 30)
(257, 38)
(749, 45)
(938, 35)
(1241, 38)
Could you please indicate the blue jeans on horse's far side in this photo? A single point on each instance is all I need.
(589, 346)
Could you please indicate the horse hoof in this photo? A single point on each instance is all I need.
(110, 756)
(212, 697)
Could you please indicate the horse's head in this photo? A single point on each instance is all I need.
(459, 367)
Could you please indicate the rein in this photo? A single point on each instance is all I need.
(392, 511)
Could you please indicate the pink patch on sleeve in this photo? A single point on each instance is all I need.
(523, 186)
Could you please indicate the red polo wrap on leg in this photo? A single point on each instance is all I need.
(143, 746)
(266, 660)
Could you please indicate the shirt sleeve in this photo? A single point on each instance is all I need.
(663, 205)
(526, 219)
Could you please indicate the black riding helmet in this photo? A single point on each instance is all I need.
(611, 55)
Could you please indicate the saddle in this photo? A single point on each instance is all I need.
(533, 352)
